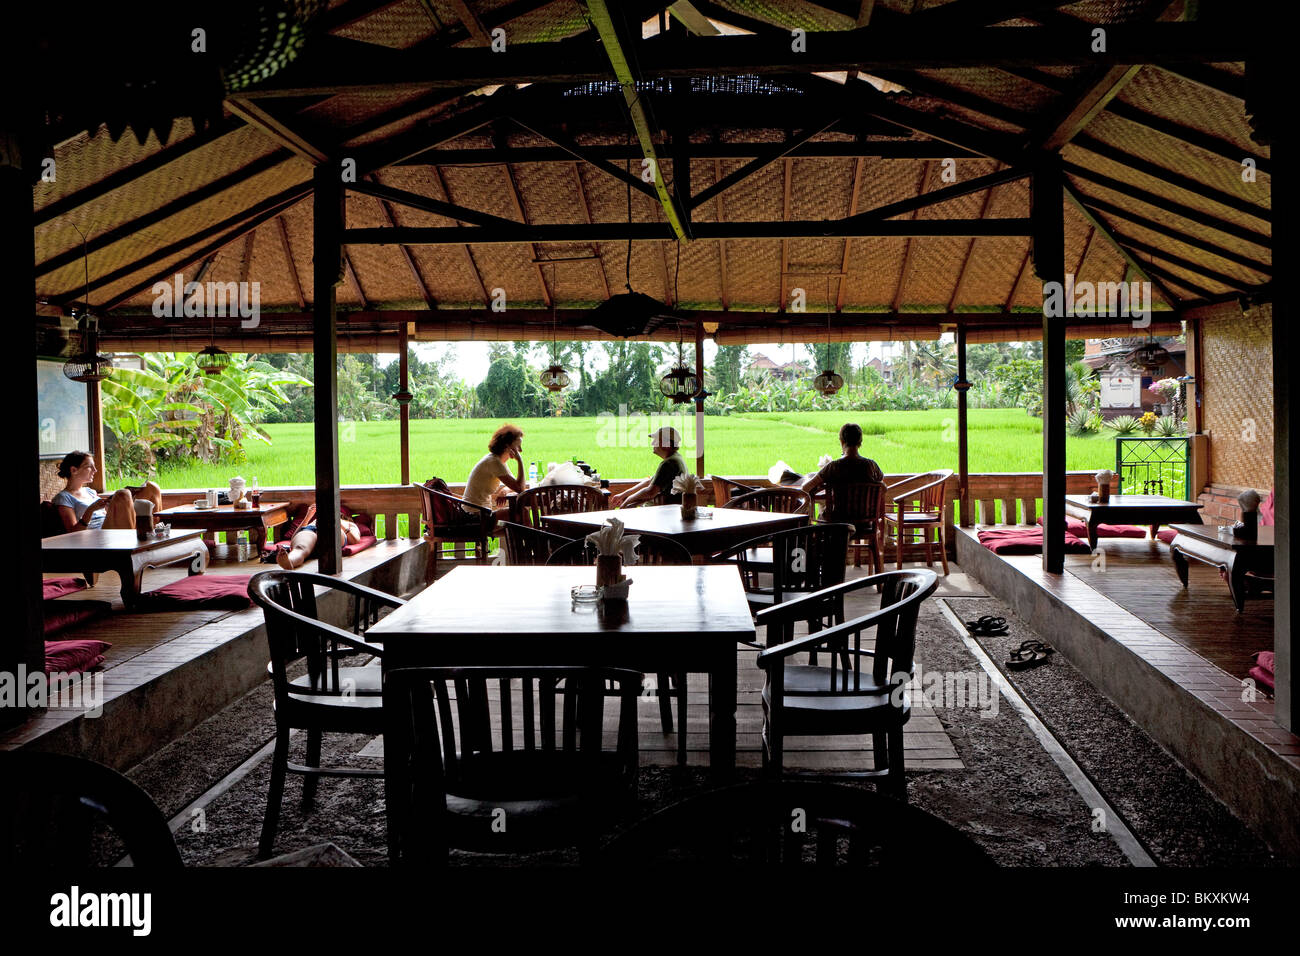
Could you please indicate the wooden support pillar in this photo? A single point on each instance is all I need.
(1286, 453)
(22, 642)
(327, 273)
(963, 457)
(699, 398)
(403, 399)
(1046, 197)
(95, 422)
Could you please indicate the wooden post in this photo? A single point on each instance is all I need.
(699, 398)
(95, 422)
(1286, 454)
(403, 398)
(327, 272)
(1046, 197)
(23, 641)
(963, 460)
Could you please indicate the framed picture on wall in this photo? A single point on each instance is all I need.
(63, 413)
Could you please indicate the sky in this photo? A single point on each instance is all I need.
(470, 359)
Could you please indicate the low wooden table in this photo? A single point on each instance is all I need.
(256, 521)
(1242, 559)
(676, 619)
(711, 531)
(119, 550)
(1152, 510)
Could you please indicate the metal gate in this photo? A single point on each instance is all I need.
(1154, 466)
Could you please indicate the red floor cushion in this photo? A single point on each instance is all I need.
(57, 587)
(1007, 541)
(367, 541)
(215, 592)
(73, 657)
(1263, 669)
(1166, 535)
(61, 615)
(1079, 529)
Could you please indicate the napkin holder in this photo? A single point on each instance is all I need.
(1103, 485)
(690, 501)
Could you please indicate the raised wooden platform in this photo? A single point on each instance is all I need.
(166, 672)
(1160, 653)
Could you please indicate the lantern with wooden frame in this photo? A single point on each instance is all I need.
(88, 365)
(681, 384)
(829, 381)
(554, 378)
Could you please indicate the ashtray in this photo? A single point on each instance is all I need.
(585, 595)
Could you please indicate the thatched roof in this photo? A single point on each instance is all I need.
(1153, 158)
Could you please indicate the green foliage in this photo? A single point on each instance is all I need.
(1020, 383)
(1123, 425)
(1169, 426)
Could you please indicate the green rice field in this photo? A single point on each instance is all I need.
(748, 444)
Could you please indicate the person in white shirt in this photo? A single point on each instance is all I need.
(80, 506)
(492, 471)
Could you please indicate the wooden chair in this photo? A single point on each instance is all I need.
(650, 549)
(445, 520)
(806, 700)
(787, 500)
(525, 545)
(532, 504)
(804, 560)
(724, 489)
(751, 824)
(527, 771)
(327, 698)
(863, 504)
(920, 510)
(54, 808)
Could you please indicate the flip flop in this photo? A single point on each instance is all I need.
(987, 626)
(1030, 654)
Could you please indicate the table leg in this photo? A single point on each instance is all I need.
(1236, 580)
(722, 718)
(1093, 522)
(396, 781)
(1180, 562)
(131, 576)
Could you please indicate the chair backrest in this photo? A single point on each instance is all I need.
(294, 631)
(461, 726)
(529, 546)
(724, 489)
(558, 500)
(51, 523)
(440, 508)
(862, 502)
(793, 501)
(755, 823)
(55, 809)
(806, 559)
(902, 593)
(650, 549)
(928, 491)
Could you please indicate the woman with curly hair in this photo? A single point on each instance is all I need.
(492, 471)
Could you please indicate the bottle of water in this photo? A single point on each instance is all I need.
(532, 474)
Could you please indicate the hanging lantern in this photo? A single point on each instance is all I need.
(680, 384)
(89, 365)
(1149, 355)
(828, 382)
(212, 360)
(555, 378)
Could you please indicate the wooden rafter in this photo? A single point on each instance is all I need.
(473, 25)
(592, 156)
(1104, 229)
(854, 192)
(936, 196)
(278, 129)
(283, 232)
(469, 255)
(1193, 137)
(760, 162)
(1020, 277)
(1194, 267)
(616, 153)
(722, 243)
(512, 190)
(785, 217)
(427, 204)
(386, 212)
(907, 249)
(970, 252)
(351, 274)
(586, 214)
(1100, 86)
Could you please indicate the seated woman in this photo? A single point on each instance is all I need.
(81, 508)
(303, 544)
(491, 472)
(852, 468)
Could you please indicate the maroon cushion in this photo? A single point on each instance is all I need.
(57, 587)
(1079, 529)
(61, 615)
(1263, 669)
(1166, 535)
(200, 592)
(1025, 541)
(1266, 510)
(367, 541)
(73, 657)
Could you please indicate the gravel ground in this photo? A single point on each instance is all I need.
(1011, 798)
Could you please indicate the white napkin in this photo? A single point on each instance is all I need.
(1105, 476)
(611, 540)
(823, 461)
(687, 484)
(776, 471)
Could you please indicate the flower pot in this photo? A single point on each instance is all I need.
(688, 505)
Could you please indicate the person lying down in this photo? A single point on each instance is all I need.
(303, 544)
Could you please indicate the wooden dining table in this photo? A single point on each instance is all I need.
(120, 550)
(710, 531)
(677, 619)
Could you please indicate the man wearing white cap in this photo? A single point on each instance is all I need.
(665, 443)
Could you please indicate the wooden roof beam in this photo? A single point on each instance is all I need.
(593, 156)
(970, 253)
(611, 153)
(469, 255)
(762, 161)
(854, 192)
(1194, 137)
(386, 212)
(1201, 270)
(283, 231)
(1099, 87)
(617, 41)
(295, 140)
(403, 197)
(586, 213)
(1103, 228)
(936, 196)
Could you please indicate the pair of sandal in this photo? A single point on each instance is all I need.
(987, 626)
(1029, 654)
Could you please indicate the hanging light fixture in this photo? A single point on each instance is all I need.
(88, 365)
(554, 378)
(1149, 354)
(829, 381)
(681, 383)
(213, 360)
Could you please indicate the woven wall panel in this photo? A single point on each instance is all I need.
(398, 26)
(1237, 367)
